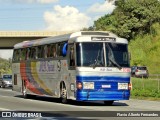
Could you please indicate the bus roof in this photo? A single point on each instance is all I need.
(65, 37)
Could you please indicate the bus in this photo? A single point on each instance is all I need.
(80, 66)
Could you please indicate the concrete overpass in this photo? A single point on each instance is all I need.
(9, 38)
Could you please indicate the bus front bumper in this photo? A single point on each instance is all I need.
(105, 95)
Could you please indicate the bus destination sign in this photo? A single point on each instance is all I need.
(103, 39)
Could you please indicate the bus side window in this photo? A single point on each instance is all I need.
(23, 54)
(48, 50)
(28, 53)
(33, 53)
(16, 55)
(40, 52)
(45, 51)
(72, 56)
(60, 48)
(54, 51)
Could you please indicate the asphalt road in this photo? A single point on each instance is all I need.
(13, 101)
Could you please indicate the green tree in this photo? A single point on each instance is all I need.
(131, 17)
(5, 66)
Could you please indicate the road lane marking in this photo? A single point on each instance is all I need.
(5, 89)
(4, 109)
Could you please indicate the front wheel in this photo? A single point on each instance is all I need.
(3, 86)
(63, 94)
(24, 92)
(108, 103)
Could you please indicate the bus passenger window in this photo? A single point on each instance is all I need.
(16, 55)
(48, 50)
(72, 57)
(28, 52)
(23, 54)
(45, 51)
(33, 53)
(40, 52)
(53, 51)
(60, 48)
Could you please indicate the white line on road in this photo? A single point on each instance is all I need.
(4, 109)
(6, 89)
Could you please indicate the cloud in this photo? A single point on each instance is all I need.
(107, 7)
(65, 19)
(36, 1)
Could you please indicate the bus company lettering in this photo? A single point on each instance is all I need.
(105, 69)
(46, 66)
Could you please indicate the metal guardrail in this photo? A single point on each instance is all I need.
(155, 78)
(154, 75)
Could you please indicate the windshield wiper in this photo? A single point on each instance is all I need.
(97, 62)
(115, 63)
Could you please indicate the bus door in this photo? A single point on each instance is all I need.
(71, 69)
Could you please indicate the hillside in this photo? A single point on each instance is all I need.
(145, 50)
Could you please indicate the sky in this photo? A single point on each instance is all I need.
(50, 15)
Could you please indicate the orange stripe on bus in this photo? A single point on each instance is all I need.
(37, 79)
(24, 77)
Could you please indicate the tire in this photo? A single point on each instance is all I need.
(63, 93)
(3, 86)
(108, 103)
(24, 92)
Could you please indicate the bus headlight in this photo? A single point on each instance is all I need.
(88, 85)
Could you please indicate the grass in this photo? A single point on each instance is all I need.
(145, 89)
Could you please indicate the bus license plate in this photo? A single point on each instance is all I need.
(122, 86)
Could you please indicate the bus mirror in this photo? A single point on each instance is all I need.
(64, 50)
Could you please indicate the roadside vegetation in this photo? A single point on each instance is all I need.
(145, 89)
(145, 50)
(5, 66)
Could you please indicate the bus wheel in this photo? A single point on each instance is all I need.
(63, 93)
(108, 103)
(24, 92)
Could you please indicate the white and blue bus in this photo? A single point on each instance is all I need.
(81, 66)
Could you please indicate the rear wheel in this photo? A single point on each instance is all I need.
(25, 95)
(108, 103)
(24, 91)
(63, 93)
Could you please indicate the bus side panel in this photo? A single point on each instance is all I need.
(16, 77)
(47, 76)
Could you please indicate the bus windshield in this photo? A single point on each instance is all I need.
(117, 55)
(92, 55)
(7, 77)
